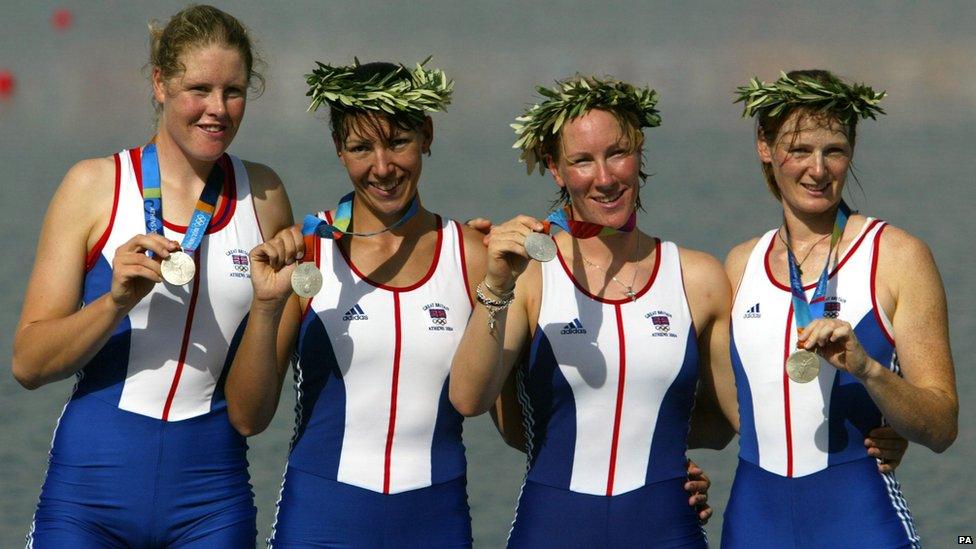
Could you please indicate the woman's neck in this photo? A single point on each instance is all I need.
(808, 226)
(365, 220)
(177, 170)
(610, 249)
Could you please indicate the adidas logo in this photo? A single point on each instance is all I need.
(355, 313)
(574, 327)
(753, 312)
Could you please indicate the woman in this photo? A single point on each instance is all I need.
(143, 453)
(804, 478)
(617, 332)
(376, 443)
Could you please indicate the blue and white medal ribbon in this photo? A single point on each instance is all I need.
(343, 217)
(803, 366)
(179, 267)
(306, 279)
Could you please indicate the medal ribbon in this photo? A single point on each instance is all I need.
(152, 198)
(584, 229)
(804, 312)
(315, 226)
(343, 216)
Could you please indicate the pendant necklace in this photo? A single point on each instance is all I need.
(628, 289)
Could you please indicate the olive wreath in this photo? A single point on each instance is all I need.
(409, 92)
(847, 101)
(572, 98)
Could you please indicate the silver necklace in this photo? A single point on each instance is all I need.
(628, 289)
(810, 251)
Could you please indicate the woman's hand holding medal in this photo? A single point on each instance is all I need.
(272, 264)
(507, 256)
(134, 273)
(835, 341)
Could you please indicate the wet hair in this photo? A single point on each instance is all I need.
(629, 128)
(768, 127)
(200, 26)
(344, 119)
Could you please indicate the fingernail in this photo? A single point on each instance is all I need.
(299, 255)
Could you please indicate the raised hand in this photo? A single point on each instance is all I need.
(133, 272)
(507, 258)
(272, 264)
(836, 342)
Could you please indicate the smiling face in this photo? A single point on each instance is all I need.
(599, 168)
(202, 108)
(809, 160)
(384, 161)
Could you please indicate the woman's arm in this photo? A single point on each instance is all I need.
(922, 404)
(485, 357)
(721, 370)
(55, 336)
(256, 375)
(507, 412)
(254, 382)
(709, 298)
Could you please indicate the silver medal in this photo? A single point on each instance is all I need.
(306, 279)
(803, 366)
(178, 268)
(540, 247)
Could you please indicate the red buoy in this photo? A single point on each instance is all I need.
(6, 83)
(61, 19)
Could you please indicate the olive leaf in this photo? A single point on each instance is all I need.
(572, 98)
(411, 92)
(843, 100)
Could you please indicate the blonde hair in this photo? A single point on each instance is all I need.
(197, 26)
